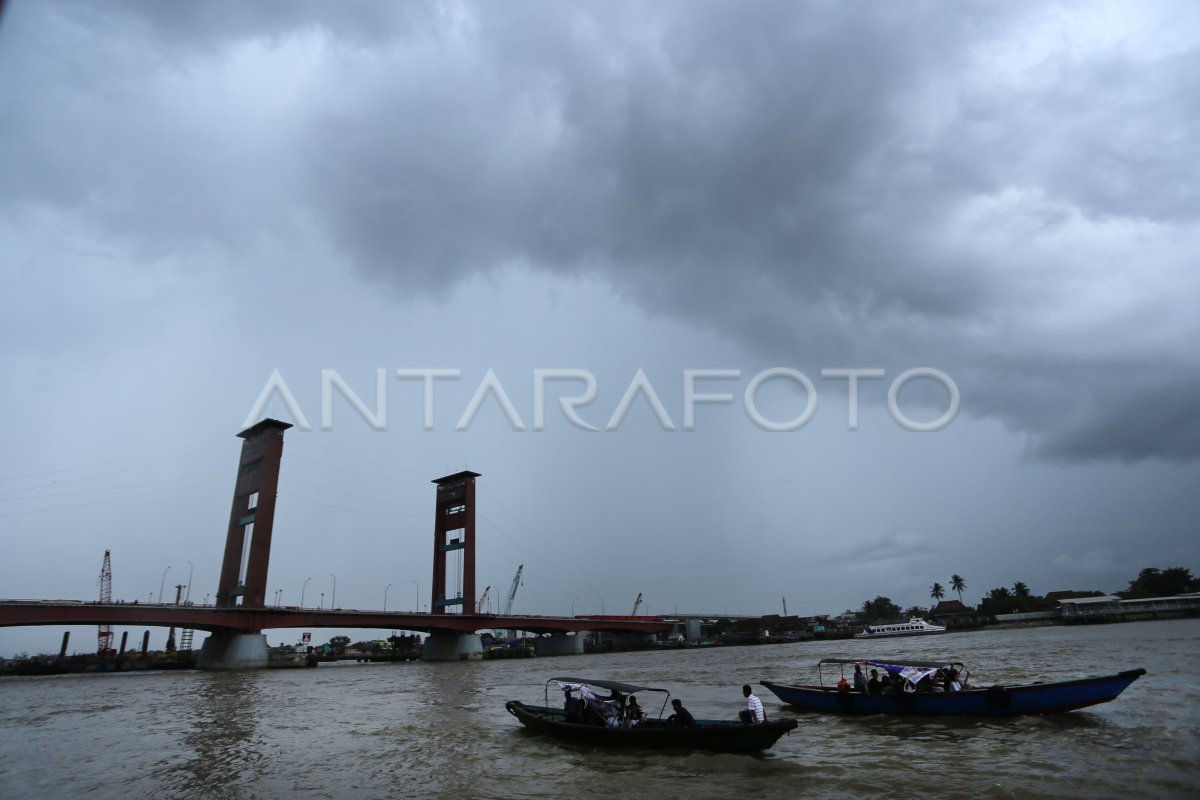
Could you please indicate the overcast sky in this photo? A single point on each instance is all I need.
(195, 195)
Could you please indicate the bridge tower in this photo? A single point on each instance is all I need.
(248, 542)
(247, 547)
(454, 530)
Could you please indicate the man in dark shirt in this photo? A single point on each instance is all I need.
(572, 706)
(682, 717)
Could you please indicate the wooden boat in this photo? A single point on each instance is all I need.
(991, 701)
(914, 627)
(723, 736)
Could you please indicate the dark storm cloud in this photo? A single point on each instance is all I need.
(831, 184)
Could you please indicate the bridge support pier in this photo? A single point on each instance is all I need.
(558, 644)
(233, 650)
(452, 646)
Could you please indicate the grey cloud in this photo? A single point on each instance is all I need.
(856, 188)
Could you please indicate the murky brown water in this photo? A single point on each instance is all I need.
(440, 730)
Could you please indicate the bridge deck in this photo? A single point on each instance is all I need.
(253, 620)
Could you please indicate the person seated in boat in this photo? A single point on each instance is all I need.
(633, 713)
(594, 710)
(924, 685)
(753, 713)
(874, 686)
(860, 680)
(571, 705)
(952, 682)
(682, 718)
(843, 685)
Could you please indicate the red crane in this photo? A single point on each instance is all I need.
(104, 637)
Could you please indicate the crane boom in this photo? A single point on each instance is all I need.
(481, 606)
(104, 634)
(636, 605)
(512, 593)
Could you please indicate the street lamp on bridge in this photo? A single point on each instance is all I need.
(414, 583)
(333, 597)
(385, 590)
(321, 602)
(302, 588)
(162, 583)
(187, 598)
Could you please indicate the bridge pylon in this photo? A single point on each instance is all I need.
(243, 580)
(454, 531)
(252, 517)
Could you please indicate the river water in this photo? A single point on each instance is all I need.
(440, 730)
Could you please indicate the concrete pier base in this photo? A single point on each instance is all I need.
(452, 647)
(225, 650)
(558, 644)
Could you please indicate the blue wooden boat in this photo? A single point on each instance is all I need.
(971, 701)
(601, 728)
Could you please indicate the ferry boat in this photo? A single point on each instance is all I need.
(914, 627)
(905, 696)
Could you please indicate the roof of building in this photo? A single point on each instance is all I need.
(950, 607)
(1079, 601)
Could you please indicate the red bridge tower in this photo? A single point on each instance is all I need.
(248, 543)
(454, 530)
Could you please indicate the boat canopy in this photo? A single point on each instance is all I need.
(626, 688)
(901, 662)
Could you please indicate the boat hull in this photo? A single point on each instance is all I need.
(714, 735)
(994, 701)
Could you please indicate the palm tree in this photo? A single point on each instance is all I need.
(936, 591)
(1020, 594)
(958, 584)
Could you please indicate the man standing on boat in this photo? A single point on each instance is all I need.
(754, 714)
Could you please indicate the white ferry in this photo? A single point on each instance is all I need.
(914, 627)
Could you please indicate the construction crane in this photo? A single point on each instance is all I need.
(785, 607)
(636, 605)
(104, 636)
(513, 591)
(481, 606)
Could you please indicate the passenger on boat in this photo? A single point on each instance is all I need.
(572, 706)
(754, 713)
(843, 685)
(952, 682)
(616, 705)
(874, 686)
(682, 717)
(597, 710)
(860, 681)
(633, 713)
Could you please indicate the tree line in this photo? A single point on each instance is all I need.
(1150, 582)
